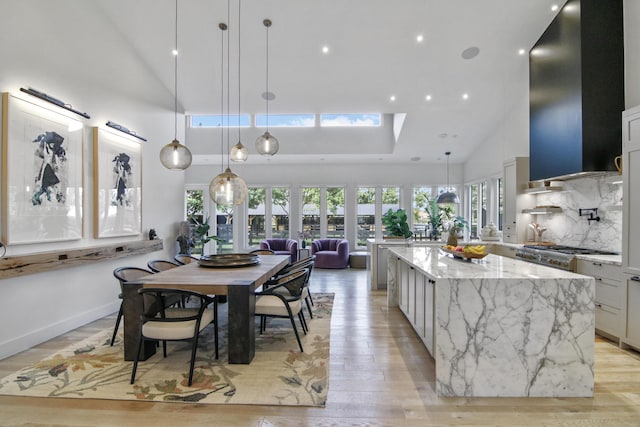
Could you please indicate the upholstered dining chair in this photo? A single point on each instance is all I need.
(183, 259)
(275, 302)
(175, 324)
(126, 274)
(158, 265)
(296, 266)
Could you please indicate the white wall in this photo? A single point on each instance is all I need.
(40, 306)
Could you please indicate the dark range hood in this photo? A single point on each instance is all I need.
(577, 91)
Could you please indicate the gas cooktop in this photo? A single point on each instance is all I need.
(569, 250)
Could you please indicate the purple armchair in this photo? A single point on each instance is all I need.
(282, 247)
(330, 253)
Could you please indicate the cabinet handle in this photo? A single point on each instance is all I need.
(598, 279)
(599, 305)
(432, 281)
(597, 264)
(411, 268)
(635, 278)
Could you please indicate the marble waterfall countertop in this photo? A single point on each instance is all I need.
(506, 327)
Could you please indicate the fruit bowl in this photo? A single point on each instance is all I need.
(467, 256)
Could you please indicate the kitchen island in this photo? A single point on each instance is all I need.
(497, 326)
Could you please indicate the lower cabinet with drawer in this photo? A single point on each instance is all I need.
(632, 336)
(611, 297)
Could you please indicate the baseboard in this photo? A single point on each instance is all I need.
(25, 342)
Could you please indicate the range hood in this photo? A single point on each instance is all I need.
(576, 81)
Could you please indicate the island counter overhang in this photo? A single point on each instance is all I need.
(498, 326)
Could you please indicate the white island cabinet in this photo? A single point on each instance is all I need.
(498, 326)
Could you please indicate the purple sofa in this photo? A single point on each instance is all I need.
(282, 247)
(330, 253)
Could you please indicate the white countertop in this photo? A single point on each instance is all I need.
(442, 265)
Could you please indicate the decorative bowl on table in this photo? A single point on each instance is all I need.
(228, 260)
(467, 253)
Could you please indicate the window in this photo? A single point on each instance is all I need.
(256, 215)
(220, 120)
(311, 211)
(195, 215)
(335, 212)
(224, 228)
(350, 120)
(286, 120)
(280, 212)
(366, 215)
(478, 208)
(421, 209)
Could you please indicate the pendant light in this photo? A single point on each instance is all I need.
(448, 197)
(227, 188)
(239, 152)
(175, 156)
(267, 144)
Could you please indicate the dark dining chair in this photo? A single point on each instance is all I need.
(283, 299)
(159, 323)
(158, 265)
(126, 274)
(183, 259)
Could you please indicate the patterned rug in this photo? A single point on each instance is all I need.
(278, 375)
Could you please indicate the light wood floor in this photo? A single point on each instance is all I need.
(381, 375)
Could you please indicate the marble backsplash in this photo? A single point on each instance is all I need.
(571, 229)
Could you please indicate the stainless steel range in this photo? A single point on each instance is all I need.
(558, 256)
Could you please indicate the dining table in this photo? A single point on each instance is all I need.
(238, 283)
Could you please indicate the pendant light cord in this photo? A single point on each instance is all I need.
(266, 95)
(222, 27)
(175, 81)
(228, 82)
(239, 2)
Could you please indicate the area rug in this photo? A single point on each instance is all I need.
(278, 375)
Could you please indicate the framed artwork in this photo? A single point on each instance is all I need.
(117, 184)
(41, 173)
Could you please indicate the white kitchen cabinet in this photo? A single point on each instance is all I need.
(416, 300)
(611, 297)
(516, 179)
(630, 222)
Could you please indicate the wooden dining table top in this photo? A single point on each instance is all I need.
(216, 280)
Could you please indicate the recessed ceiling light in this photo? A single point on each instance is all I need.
(419, 38)
(465, 96)
(415, 159)
(428, 97)
(268, 96)
(554, 7)
(521, 52)
(325, 49)
(392, 98)
(470, 52)
(174, 52)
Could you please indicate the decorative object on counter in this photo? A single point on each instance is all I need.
(396, 225)
(467, 252)
(152, 234)
(592, 212)
(490, 233)
(538, 229)
(304, 236)
(184, 240)
(456, 226)
(618, 162)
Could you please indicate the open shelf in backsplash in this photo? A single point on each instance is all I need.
(542, 210)
(543, 189)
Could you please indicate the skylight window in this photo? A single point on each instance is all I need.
(358, 119)
(286, 120)
(218, 120)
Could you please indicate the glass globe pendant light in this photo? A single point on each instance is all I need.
(175, 156)
(227, 188)
(448, 197)
(267, 144)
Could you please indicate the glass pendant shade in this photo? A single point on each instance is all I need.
(175, 156)
(228, 188)
(239, 152)
(267, 144)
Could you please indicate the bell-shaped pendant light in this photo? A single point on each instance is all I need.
(448, 197)
(267, 144)
(227, 188)
(175, 156)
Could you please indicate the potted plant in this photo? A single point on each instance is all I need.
(396, 225)
(456, 225)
